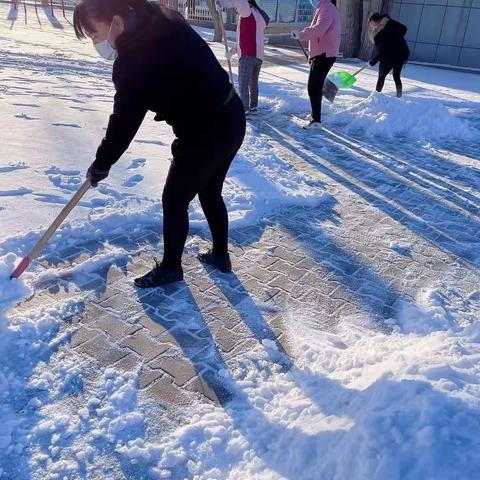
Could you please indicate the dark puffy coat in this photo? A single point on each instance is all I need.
(163, 66)
(390, 44)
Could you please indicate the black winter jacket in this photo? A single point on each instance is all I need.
(390, 44)
(163, 66)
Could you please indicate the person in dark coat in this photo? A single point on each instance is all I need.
(163, 65)
(391, 48)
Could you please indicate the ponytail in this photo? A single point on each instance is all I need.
(262, 12)
(103, 11)
(376, 17)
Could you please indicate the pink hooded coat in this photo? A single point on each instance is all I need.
(323, 34)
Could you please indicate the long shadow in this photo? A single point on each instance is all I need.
(51, 18)
(372, 292)
(413, 208)
(279, 444)
(208, 362)
(57, 65)
(12, 15)
(37, 15)
(428, 179)
(241, 301)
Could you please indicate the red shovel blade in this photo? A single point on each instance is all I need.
(22, 266)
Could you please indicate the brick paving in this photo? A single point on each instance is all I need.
(380, 236)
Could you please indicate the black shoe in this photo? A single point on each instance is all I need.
(159, 276)
(313, 125)
(222, 262)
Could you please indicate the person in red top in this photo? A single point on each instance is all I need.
(323, 36)
(250, 48)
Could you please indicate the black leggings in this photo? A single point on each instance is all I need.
(319, 68)
(200, 167)
(384, 70)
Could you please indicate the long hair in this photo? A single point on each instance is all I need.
(376, 17)
(102, 11)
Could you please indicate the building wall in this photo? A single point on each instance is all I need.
(288, 11)
(441, 31)
(281, 12)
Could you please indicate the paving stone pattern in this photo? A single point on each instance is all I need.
(380, 234)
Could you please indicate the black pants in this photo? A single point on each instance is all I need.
(199, 168)
(319, 68)
(384, 70)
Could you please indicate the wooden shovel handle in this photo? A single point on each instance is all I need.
(225, 41)
(359, 70)
(303, 49)
(37, 249)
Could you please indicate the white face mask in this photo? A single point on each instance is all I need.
(105, 49)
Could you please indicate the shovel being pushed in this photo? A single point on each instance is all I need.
(37, 249)
(336, 80)
(329, 88)
(345, 79)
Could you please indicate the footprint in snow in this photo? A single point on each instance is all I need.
(83, 109)
(132, 181)
(19, 192)
(66, 180)
(150, 142)
(29, 105)
(58, 200)
(70, 125)
(53, 170)
(24, 116)
(137, 163)
(12, 168)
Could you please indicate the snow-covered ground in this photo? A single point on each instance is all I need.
(355, 404)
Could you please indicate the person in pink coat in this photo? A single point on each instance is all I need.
(323, 37)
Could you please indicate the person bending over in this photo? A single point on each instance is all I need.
(391, 49)
(162, 65)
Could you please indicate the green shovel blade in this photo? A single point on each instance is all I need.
(343, 79)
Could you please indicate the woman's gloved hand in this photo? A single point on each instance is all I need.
(95, 175)
(295, 34)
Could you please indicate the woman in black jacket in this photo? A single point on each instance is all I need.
(391, 49)
(163, 65)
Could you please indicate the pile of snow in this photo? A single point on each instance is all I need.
(11, 291)
(354, 404)
(261, 182)
(413, 118)
(25, 343)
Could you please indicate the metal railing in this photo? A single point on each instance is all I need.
(50, 4)
(281, 12)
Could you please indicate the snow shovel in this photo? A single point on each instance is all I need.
(345, 79)
(329, 88)
(37, 249)
(225, 41)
